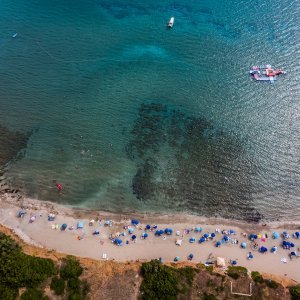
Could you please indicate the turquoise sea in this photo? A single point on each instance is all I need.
(131, 116)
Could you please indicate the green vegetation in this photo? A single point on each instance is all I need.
(70, 268)
(236, 272)
(256, 277)
(209, 297)
(271, 283)
(33, 294)
(295, 292)
(164, 282)
(57, 285)
(209, 269)
(18, 270)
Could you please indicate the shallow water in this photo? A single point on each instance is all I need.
(131, 116)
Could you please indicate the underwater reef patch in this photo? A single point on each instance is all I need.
(185, 163)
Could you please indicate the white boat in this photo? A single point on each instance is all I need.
(171, 22)
(14, 35)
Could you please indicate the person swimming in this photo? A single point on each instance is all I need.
(58, 185)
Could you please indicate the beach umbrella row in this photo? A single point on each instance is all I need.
(287, 245)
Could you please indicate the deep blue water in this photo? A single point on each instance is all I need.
(130, 116)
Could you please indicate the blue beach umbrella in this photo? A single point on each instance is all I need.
(226, 238)
(135, 222)
(250, 256)
(231, 231)
(63, 227)
(198, 229)
(148, 226)
(205, 235)
(168, 231)
(252, 237)
(191, 256)
(192, 240)
(293, 253)
(275, 235)
(201, 240)
(213, 235)
(176, 258)
(154, 226)
(133, 237)
(118, 242)
(144, 235)
(292, 245)
(285, 235)
(96, 232)
(263, 249)
(159, 232)
(243, 245)
(80, 225)
(218, 244)
(130, 230)
(297, 234)
(234, 262)
(274, 249)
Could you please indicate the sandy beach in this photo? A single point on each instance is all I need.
(82, 242)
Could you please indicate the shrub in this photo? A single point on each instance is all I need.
(85, 288)
(235, 272)
(33, 294)
(209, 269)
(8, 293)
(160, 282)
(256, 277)
(271, 283)
(70, 268)
(74, 285)
(295, 292)
(209, 297)
(57, 285)
(20, 270)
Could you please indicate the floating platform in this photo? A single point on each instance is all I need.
(266, 73)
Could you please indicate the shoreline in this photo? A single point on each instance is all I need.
(81, 212)
(82, 243)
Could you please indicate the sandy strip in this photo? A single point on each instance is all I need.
(40, 233)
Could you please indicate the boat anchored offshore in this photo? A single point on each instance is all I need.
(266, 73)
(171, 22)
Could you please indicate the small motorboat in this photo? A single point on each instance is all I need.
(14, 35)
(171, 23)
